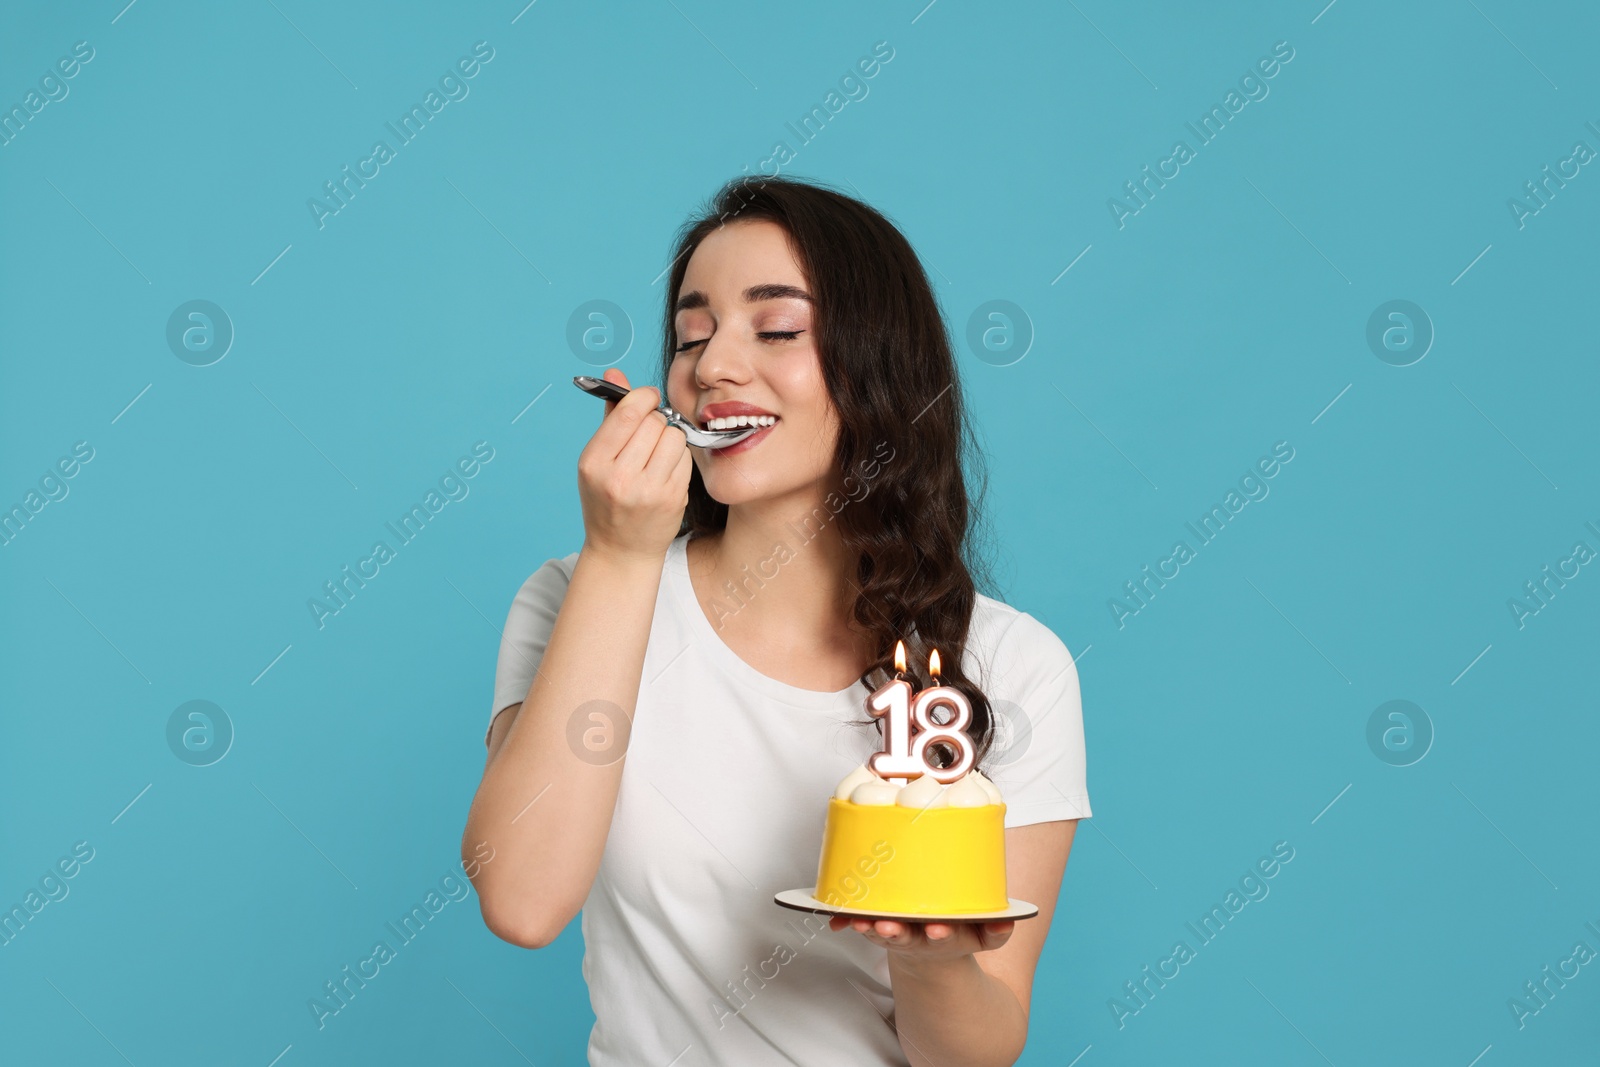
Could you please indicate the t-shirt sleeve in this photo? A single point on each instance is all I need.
(529, 624)
(1038, 759)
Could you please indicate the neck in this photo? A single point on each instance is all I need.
(788, 562)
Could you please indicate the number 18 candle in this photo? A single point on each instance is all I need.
(904, 757)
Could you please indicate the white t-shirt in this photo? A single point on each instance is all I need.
(722, 801)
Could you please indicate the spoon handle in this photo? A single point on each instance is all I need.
(599, 387)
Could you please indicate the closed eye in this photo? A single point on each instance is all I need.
(781, 335)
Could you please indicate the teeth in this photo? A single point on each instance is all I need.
(734, 422)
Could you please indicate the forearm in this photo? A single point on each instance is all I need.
(543, 809)
(952, 1012)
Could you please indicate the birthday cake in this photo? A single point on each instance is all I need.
(905, 834)
(923, 848)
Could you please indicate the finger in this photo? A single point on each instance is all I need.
(617, 431)
(993, 935)
(670, 449)
(615, 377)
(635, 455)
(682, 472)
(869, 930)
(939, 931)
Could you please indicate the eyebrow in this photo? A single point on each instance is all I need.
(696, 299)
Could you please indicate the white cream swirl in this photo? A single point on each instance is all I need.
(971, 790)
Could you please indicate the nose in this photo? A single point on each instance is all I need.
(722, 362)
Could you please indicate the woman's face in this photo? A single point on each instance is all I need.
(746, 347)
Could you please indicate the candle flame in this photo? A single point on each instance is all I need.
(900, 657)
(933, 663)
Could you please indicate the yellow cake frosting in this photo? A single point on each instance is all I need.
(922, 848)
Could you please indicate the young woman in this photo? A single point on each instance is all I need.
(676, 702)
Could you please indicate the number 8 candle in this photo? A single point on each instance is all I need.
(953, 733)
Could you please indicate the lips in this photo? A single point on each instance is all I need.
(734, 415)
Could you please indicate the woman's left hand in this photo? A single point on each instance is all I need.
(928, 941)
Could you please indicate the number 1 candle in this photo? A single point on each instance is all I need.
(895, 764)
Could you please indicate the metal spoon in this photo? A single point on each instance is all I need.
(695, 435)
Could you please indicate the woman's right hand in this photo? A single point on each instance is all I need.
(633, 476)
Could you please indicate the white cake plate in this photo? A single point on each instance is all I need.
(802, 900)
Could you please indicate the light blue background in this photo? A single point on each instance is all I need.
(426, 315)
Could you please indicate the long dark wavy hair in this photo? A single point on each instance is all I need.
(917, 537)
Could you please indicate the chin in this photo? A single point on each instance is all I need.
(751, 483)
(728, 488)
